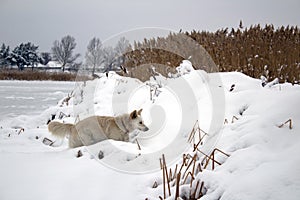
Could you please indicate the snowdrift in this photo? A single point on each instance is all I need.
(241, 117)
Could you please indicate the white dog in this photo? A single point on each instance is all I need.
(98, 128)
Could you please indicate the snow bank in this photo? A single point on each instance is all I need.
(170, 108)
(263, 162)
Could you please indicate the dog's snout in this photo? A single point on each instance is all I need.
(146, 128)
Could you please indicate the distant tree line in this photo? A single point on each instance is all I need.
(256, 51)
(27, 55)
(98, 58)
(22, 55)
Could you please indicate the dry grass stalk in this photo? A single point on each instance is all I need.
(191, 175)
(21, 130)
(164, 184)
(234, 118)
(206, 157)
(178, 177)
(160, 163)
(175, 172)
(225, 121)
(196, 128)
(66, 100)
(170, 175)
(200, 191)
(193, 195)
(207, 161)
(216, 149)
(212, 158)
(166, 173)
(192, 133)
(191, 168)
(213, 161)
(288, 121)
(183, 162)
(198, 169)
(199, 142)
(155, 185)
(138, 145)
(194, 165)
(151, 94)
(190, 163)
(187, 160)
(62, 115)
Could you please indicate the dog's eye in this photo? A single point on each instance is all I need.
(141, 122)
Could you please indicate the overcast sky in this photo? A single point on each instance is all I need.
(43, 21)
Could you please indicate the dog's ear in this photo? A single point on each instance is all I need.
(133, 115)
(140, 111)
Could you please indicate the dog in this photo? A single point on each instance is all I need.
(95, 129)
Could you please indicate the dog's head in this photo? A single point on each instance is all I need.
(137, 121)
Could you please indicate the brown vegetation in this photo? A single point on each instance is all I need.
(255, 51)
(186, 172)
(38, 75)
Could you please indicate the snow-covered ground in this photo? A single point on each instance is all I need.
(263, 162)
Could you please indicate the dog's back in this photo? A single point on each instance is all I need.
(88, 131)
(98, 128)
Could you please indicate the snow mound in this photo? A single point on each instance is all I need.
(185, 67)
(260, 133)
(168, 110)
(263, 162)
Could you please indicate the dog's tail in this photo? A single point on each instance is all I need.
(59, 129)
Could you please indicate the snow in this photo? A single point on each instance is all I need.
(185, 67)
(263, 162)
(169, 116)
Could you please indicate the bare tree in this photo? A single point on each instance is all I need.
(63, 51)
(109, 56)
(121, 48)
(94, 55)
(45, 57)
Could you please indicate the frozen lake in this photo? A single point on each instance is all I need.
(30, 97)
